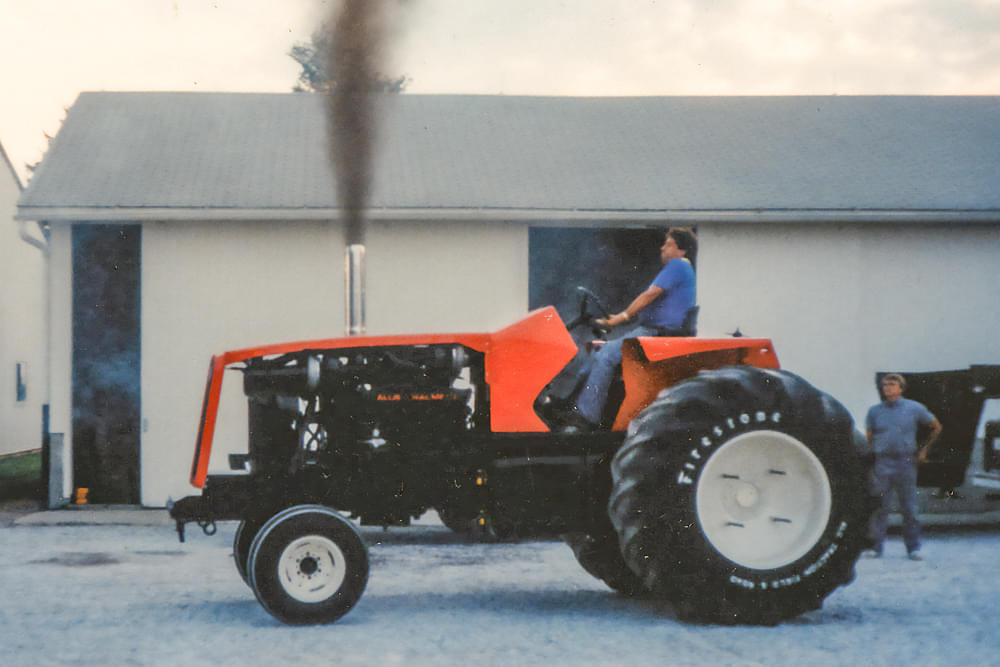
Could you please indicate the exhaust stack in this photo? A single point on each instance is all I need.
(354, 281)
(356, 42)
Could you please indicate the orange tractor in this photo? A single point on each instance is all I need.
(719, 482)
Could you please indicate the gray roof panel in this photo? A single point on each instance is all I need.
(225, 151)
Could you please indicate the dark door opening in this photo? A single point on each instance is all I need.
(106, 353)
(616, 264)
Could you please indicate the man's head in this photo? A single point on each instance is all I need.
(680, 242)
(893, 386)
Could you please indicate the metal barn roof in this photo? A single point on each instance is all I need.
(6, 161)
(165, 155)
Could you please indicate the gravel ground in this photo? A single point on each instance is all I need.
(132, 595)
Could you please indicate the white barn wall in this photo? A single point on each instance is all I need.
(22, 326)
(212, 287)
(446, 276)
(820, 291)
(844, 301)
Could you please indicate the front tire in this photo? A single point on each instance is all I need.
(739, 496)
(308, 565)
(242, 541)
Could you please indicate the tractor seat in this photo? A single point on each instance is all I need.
(689, 327)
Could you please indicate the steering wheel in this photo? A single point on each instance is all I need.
(591, 309)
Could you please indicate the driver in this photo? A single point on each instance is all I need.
(661, 310)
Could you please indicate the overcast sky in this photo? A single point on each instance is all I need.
(51, 50)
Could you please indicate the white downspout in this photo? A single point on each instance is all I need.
(22, 230)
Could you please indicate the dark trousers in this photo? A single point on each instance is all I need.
(899, 476)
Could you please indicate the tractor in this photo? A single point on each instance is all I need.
(717, 481)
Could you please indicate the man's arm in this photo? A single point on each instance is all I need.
(649, 296)
(935, 431)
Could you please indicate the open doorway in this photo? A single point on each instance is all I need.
(616, 264)
(106, 353)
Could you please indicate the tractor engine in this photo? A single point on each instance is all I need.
(364, 426)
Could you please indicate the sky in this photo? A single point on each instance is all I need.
(51, 50)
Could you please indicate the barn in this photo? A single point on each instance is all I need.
(859, 233)
(22, 327)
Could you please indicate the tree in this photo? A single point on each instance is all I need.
(319, 75)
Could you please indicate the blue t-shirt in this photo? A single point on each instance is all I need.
(894, 426)
(676, 279)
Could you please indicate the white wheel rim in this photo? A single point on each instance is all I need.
(763, 500)
(312, 568)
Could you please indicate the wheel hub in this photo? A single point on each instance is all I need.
(308, 566)
(746, 495)
(763, 499)
(312, 568)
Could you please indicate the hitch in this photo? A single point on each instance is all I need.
(196, 509)
(224, 498)
(180, 522)
(207, 526)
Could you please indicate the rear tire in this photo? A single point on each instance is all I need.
(602, 559)
(458, 521)
(308, 565)
(739, 496)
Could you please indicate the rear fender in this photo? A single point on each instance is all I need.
(649, 365)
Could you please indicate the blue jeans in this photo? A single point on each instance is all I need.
(593, 396)
(897, 475)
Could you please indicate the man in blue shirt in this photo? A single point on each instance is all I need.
(892, 430)
(659, 311)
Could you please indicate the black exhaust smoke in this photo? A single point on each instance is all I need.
(354, 56)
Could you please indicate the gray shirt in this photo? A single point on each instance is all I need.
(894, 426)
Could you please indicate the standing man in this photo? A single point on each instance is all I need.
(661, 310)
(892, 431)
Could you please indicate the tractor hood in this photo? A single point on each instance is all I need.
(519, 361)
